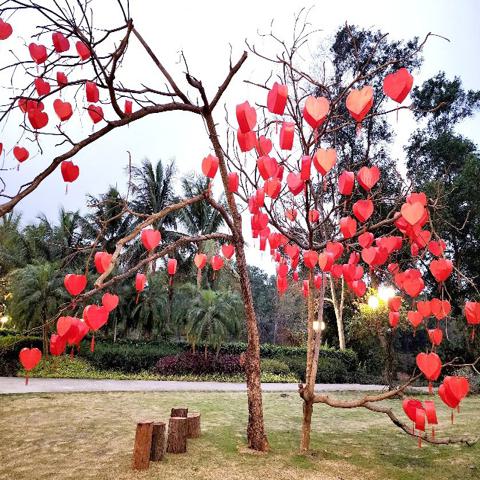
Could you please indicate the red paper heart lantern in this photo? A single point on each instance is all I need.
(277, 98)
(267, 166)
(393, 319)
(472, 313)
(128, 109)
(110, 301)
(263, 145)
(216, 262)
(295, 183)
(413, 285)
(282, 285)
(363, 210)
(415, 318)
(246, 117)
(441, 269)
(41, 86)
(335, 248)
(424, 308)
(200, 260)
(324, 160)
(172, 266)
(25, 104)
(37, 118)
(95, 112)
(150, 238)
(233, 182)
(62, 109)
(368, 177)
(440, 308)
(346, 181)
(413, 212)
(21, 154)
(228, 250)
(291, 214)
(359, 288)
(60, 42)
(435, 335)
(348, 227)
(325, 261)
(38, 53)
(210, 166)
(70, 172)
(457, 387)
(272, 187)
(102, 261)
(310, 258)
(430, 365)
(395, 303)
(95, 316)
(62, 79)
(82, 50)
(30, 358)
(316, 110)
(447, 397)
(140, 282)
(64, 324)
(5, 30)
(92, 92)
(287, 133)
(246, 141)
(305, 168)
(313, 216)
(397, 85)
(365, 240)
(369, 254)
(359, 102)
(57, 344)
(75, 284)
(436, 248)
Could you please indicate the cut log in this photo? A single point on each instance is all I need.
(177, 435)
(143, 444)
(193, 425)
(157, 450)
(179, 412)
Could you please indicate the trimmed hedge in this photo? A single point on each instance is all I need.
(199, 364)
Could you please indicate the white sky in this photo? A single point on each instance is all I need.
(204, 31)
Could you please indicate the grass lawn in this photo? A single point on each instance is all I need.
(90, 436)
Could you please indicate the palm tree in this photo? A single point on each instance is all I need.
(35, 294)
(13, 251)
(199, 218)
(213, 317)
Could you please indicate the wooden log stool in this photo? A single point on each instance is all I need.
(157, 450)
(179, 412)
(177, 435)
(193, 425)
(142, 446)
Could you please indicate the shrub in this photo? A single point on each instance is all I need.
(197, 363)
(272, 365)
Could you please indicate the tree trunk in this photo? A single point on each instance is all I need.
(177, 435)
(115, 330)
(179, 412)
(45, 338)
(193, 425)
(256, 436)
(157, 450)
(338, 308)
(306, 426)
(143, 443)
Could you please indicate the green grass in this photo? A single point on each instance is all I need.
(90, 436)
(64, 367)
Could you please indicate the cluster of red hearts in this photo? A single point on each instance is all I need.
(34, 108)
(72, 330)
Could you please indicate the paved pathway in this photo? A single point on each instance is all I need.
(64, 385)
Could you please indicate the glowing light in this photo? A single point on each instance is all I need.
(373, 302)
(316, 325)
(385, 293)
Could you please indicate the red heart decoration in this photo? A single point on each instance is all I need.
(62, 109)
(272, 187)
(210, 166)
(393, 319)
(316, 110)
(291, 214)
(282, 270)
(365, 240)
(359, 102)
(128, 109)
(96, 113)
(412, 212)
(150, 238)
(95, 316)
(92, 92)
(397, 85)
(395, 303)
(430, 365)
(441, 269)
(30, 358)
(305, 168)
(424, 308)
(440, 308)
(390, 244)
(313, 216)
(436, 248)
(287, 133)
(259, 221)
(82, 50)
(295, 183)
(20, 153)
(346, 181)
(422, 238)
(325, 261)
(369, 254)
(42, 86)
(368, 177)
(228, 250)
(62, 79)
(102, 261)
(292, 251)
(110, 301)
(63, 325)
(37, 118)
(216, 262)
(200, 260)
(413, 286)
(472, 313)
(233, 182)
(430, 412)
(60, 42)
(277, 98)
(335, 248)
(458, 387)
(435, 335)
(246, 117)
(359, 288)
(57, 344)
(447, 397)
(263, 145)
(267, 167)
(348, 227)
(410, 407)
(363, 209)
(75, 284)
(324, 160)
(25, 104)
(310, 258)
(38, 53)
(70, 172)
(5, 30)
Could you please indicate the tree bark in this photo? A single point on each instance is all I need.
(142, 447)
(177, 435)
(157, 450)
(179, 412)
(193, 425)
(338, 308)
(256, 436)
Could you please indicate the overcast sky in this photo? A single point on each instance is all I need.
(204, 31)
